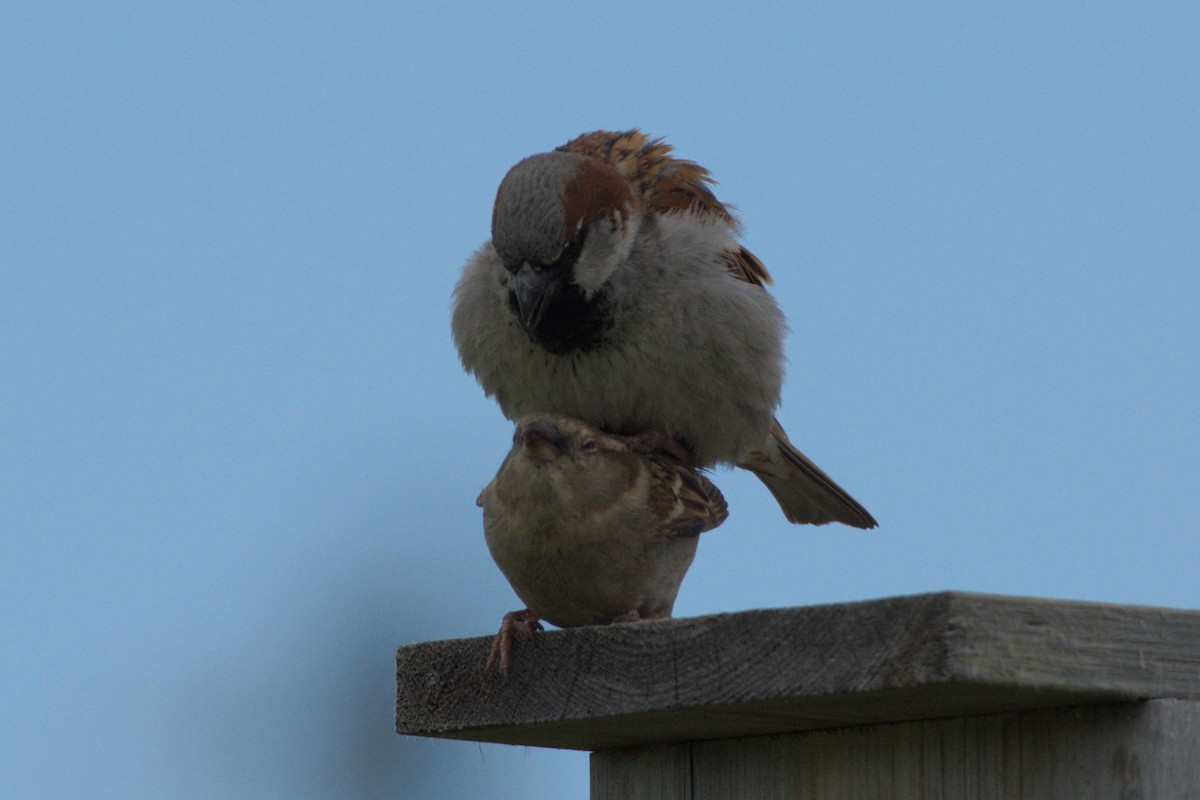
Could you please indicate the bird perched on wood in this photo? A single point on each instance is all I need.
(613, 290)
(591, 528)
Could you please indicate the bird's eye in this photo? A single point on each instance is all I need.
(570, 253)
(588, 446)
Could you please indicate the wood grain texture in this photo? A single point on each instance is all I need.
(786, 670)
(1129, 751)
(651, 772)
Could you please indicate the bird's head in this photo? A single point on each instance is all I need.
(562, 224)
(550, 438)
(584, 466)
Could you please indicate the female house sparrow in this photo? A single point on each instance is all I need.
(589, 530)
(613, 290)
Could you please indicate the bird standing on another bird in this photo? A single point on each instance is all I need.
(613, 290)
(590, 529)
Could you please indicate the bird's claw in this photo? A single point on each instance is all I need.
(501, 653)
(658, 443)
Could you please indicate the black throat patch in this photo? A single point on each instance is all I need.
(571, 322)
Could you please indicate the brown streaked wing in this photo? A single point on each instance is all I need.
(746, 266)
(685, 502)
(661, 181)
(664, 183)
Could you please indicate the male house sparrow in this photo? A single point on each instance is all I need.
(613, 290)
(589, 529)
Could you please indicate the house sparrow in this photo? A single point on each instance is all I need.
(613, 290)
(590, 529)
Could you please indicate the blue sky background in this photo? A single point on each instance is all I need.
(239, 459)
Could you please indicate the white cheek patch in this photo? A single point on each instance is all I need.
(609, 240)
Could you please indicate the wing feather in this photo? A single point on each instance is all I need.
(664, 184)
(685, 502)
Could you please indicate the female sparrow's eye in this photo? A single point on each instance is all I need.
(588, 446)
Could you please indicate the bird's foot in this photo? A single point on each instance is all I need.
(501, 654)
(658, 443)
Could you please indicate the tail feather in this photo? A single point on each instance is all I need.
(805, 493)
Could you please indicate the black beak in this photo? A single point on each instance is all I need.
(533, 291)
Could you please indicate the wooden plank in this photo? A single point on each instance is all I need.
(1146, 750)
(648, 773)
(785, 670)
